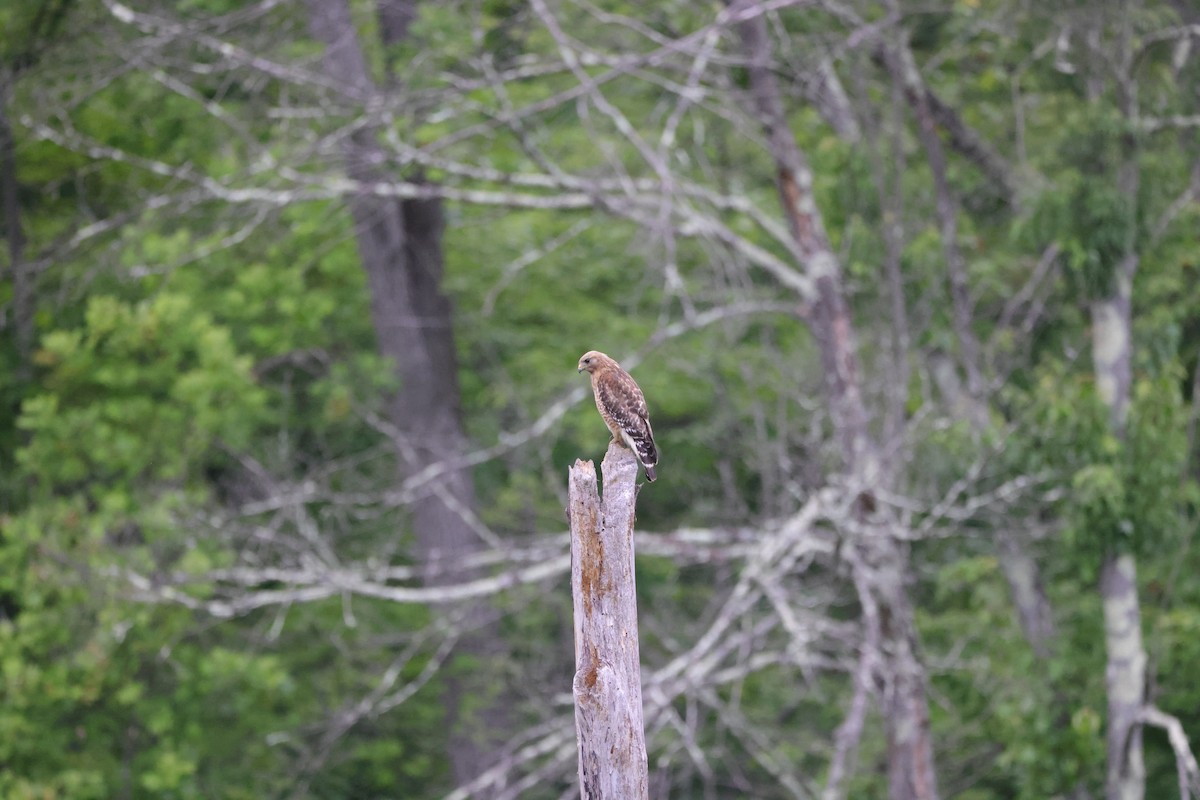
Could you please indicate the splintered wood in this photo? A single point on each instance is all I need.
(607, 685)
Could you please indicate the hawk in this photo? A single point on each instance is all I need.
(623, 407)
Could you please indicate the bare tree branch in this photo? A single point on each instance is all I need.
(1185, 761)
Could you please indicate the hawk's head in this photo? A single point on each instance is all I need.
(593, 360)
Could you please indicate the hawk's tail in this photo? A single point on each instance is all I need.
(643, 445)
(648, 454)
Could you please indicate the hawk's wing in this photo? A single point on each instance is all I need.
(623, 402)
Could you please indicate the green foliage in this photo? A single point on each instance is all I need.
(993, 705)
(101, 697)
(1125, 494)
(140, 393)
(1095, 218)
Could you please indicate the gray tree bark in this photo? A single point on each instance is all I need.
(1028, 592)
(1112, 357)
(399, 242)
(1125, 673)
(1124, 678)
(22, 295)
(960, 136)
(26, 45)
(901, 60)
(608, 683)
(879, 561)
(1021, 571)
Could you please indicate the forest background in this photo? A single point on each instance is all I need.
(291, 297)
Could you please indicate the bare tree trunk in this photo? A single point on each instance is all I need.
(878, 559)
(961, 138)
(1020, 570)
(824, 90)
(1028, 592)
(889, 188)
(1112, 346)
(22, 295)
(400, 245)
(1125, 674)
(1112, 356)
(901, 60)
(880, 565)
(968, 143)
(1124, 678)
(608, 683)
(395, 17)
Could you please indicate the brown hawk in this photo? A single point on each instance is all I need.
(623, 407)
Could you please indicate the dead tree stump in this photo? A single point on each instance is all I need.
(608, 683)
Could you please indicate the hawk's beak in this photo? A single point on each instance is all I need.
(579, 370)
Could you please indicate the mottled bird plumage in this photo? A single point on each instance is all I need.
(622, 406)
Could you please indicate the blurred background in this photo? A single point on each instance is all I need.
(291, 298)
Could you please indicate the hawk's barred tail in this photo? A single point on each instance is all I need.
(647, 453)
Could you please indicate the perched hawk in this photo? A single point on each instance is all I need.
(623, 407)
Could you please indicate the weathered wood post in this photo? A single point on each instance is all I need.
(608, 682)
